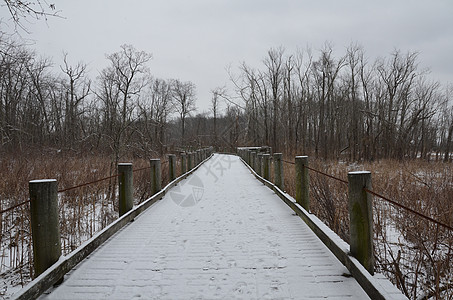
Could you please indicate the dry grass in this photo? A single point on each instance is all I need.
(83, 211)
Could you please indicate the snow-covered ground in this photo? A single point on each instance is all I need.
(219, 234)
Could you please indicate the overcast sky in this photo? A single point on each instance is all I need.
(197, 39)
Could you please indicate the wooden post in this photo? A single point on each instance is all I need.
(189, 161)
(156, 176)
(183, 163)
(126, 189)
(361, 219)
(279, 180)
(253, 160)
(197, 157)
(259, 164)
(45, 225)
(266, 166)
(302, 182)
(194, 159)
(172, 166)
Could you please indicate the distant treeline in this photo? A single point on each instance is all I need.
(297, 103)
(345, 105)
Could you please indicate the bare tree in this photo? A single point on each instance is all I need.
(120, 85)
(38, 9)
(326, 70)
(274, 64)
(155, 106)
(184, 100)
(127, 66)
(396, 76)
(77, 89)
(216, 94)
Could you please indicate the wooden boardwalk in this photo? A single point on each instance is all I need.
(219, 234)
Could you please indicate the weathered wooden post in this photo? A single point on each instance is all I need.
(266, 166)
(126, 189)
(156, 176)
(259, 164)
(302, 182)
(189, 161)
(278, 171)
(197, 157)
(172, 166)
(361, 219)
(183, 163)
(253, 160)
(45, 225)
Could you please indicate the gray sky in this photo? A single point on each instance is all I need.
(197, 39)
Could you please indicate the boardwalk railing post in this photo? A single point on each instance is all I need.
(266, 166)
(253, 160)
(189, 161)
(126, 189)
(156, 176)
(197, 157)
(183, 163)
(302, 182)
(172, 166)
(259, 164)
(361, 219)
(278, 171)
(45, 224)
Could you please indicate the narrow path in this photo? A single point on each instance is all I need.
(220, 234)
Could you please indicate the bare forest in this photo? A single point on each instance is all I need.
(344, 110)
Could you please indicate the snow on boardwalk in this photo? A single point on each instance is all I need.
(220, 234)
